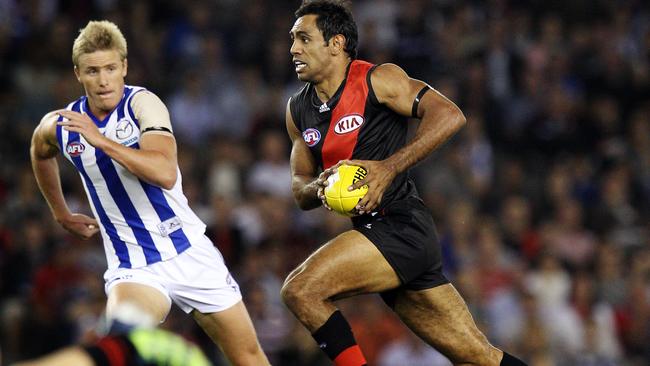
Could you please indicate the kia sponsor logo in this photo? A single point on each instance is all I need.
(75, 148)
(348, 124)
(311, 136)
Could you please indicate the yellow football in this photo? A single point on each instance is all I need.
(336, 192)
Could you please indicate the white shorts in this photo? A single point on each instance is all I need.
(195, 279)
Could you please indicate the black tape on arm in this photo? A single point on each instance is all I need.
(159, 129)
(416, 102)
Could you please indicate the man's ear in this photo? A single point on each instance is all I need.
(125, 63)
(338, 44)
(77, 73)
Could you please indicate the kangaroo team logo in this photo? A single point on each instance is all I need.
(124, 129)
(75, 148)
(348, 124)
(311, 136)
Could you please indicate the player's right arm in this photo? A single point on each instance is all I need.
(307, 185)
(43, 152)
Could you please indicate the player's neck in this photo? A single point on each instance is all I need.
(327, 87)
(99, 113)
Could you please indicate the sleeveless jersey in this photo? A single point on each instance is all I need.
(352, 125)
(140, 223)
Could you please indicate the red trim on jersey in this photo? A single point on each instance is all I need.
(347, 113)
(114, 350)
(352, 356)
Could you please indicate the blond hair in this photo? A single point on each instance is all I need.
(98, 36)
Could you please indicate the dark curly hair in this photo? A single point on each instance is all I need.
(333, 18)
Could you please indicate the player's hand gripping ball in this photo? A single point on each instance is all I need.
(336, 192)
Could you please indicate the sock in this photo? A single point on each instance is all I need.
(118, 327)
(335, 338)
(509, 360)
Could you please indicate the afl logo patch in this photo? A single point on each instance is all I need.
(348, 124)
(124, 129)
(311, 136)
(75, 148)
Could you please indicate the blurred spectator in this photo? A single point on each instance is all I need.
(271, 321)
(479, 155)
(610, 275)
(517, 226)
(409, 350)
(600, 343)
(459, 238)
(535, 342)
(192, 112)
(549, 284)
(566, 237)
(497, 277)
(617, 217)
(270, 172)
(225, 175)
(373, 326)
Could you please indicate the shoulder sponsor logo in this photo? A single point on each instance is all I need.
(124, 129)
(348, 124)
(75, 148)
(311, 136)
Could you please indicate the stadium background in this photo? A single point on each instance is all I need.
(542, 201)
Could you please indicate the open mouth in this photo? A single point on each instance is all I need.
(299, 65)
(104, 94)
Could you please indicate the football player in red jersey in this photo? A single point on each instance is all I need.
(393, 248)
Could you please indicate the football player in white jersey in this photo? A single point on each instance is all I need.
(120, 140)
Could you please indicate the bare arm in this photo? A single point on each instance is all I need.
(43, 151)
(306, 184)
(155, 161)
(440, 119)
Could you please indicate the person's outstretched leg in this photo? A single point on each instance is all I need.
(345, 266)
(232, 329)
(440, 317)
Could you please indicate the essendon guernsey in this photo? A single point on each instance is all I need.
(352, 125)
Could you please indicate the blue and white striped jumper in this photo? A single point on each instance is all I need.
(140, 223)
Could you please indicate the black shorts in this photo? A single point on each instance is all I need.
(405, 234)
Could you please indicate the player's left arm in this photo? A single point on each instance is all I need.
(440, 119)
(156, 160)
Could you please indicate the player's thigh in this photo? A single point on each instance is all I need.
(144, 298)
(232, 329)
(346, 265)
(440, 317)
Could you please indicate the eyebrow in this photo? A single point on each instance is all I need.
(101, 66)
(299, 33)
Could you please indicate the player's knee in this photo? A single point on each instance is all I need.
(295, 292)
(290, 294)
(248, 354)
